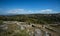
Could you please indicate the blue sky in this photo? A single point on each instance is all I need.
(29, 6)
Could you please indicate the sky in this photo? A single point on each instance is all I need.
(29, 6)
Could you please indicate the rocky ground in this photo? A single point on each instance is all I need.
(14, 28)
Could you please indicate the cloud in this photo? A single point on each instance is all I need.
(19, 11)
(25, 11)
(47, 11)
(14, 11)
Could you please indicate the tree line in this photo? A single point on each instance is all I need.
(33, 18)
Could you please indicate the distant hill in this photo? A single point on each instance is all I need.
(33, 18)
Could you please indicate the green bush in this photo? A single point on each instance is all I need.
(1, 22)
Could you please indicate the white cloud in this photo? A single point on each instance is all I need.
(19, 11)
(46, 11)
(14, 11)
(24, 11)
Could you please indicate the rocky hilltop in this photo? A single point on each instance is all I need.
(15, 28)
